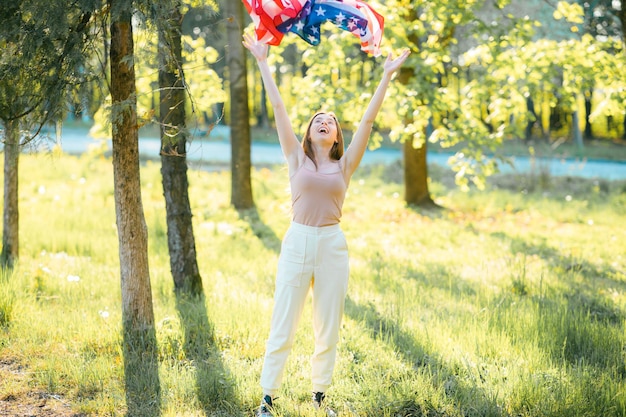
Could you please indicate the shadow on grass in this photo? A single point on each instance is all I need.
(390, 276)
(581, 293)
(141, 372)
(417, 357)
(214, 386)
(260, 229)
(580, 322)
(429, 209)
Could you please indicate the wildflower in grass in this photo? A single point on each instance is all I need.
(104, 314)
(45, 269)
(568, 198)
(73, 278)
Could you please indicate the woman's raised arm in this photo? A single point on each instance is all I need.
(357, 147)
(288, 140)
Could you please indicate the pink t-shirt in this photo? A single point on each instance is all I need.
(316, 197)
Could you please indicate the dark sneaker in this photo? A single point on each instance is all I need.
(319, 403)
(265, 409)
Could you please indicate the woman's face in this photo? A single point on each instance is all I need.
(323, 129)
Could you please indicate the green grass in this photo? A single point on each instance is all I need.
(508, 302)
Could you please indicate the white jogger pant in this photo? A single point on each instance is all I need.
(311, 258)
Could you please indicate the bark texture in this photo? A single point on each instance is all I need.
(139, 342)
(241, 165)
(131, 224)
(180, 238)
(416, 175)
(10, 218)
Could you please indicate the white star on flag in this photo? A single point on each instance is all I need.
(340, 18)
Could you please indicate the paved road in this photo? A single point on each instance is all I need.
(216, 150)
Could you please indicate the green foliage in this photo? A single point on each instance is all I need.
(42, 53)
(475, 65)
(509, 302)
(203, 85)
(572, 12)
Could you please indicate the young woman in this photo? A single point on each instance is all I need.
(314, 253)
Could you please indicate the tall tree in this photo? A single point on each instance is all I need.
(241, 188)
(140, 350)
(429, 29)
(172, 119)
(42, 46)
(416, 191)
(606, 19)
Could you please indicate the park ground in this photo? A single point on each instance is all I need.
(28, 400)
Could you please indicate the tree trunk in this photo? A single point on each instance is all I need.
(10, 229)
(416, 191)
(588, 127)
(180, 238)
(241, 191)
(576, 133)
(131, 224)
(264, 120)
(532, 118)
(556, 117)
(139, 343)
(622, 19)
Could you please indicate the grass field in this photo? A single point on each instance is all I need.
(507, 302)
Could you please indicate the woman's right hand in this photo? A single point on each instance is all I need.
(258, 49)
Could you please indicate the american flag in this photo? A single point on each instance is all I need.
(273, 18)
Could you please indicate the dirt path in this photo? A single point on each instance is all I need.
(19, 403)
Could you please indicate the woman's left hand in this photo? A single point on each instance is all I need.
(392, 65)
